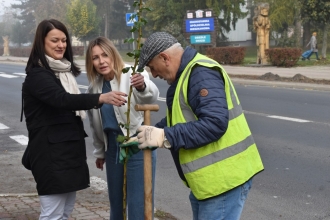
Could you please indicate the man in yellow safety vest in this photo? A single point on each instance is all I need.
(205, 128)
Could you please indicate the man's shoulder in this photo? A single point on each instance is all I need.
(204, 76)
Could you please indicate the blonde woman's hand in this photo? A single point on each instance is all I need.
(113, 98)
(137, 81)
(99, 163)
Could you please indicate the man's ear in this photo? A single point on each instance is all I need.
(164, 57)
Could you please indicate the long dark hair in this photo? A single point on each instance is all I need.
(38, 48)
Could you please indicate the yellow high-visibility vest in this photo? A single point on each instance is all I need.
(222, 165)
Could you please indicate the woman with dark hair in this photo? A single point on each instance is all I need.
(54, 109)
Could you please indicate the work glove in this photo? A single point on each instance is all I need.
(150, 136)
(132, 148)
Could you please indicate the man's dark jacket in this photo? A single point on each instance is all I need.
(210, 107)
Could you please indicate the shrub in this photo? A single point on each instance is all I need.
(226, 55)
(287, 57)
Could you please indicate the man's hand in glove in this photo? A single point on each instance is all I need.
(132, 148)
(150, 136)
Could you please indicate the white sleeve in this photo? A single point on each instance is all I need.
(150, 93)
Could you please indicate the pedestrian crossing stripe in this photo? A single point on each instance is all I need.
(2, 126)
(23, 140)
(7, 75)
(20, 74)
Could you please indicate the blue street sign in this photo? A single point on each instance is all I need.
(200, 25)
(200, 39)
(129, 21)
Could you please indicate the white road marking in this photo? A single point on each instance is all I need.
(288, 119)
(2, 126)
(161, 99)
(82, 87)
(23, 140)
(20, 74)
(7, 75)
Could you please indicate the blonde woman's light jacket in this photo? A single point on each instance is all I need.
(148, 96)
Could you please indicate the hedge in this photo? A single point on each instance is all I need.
(226, 55)
(287, 57)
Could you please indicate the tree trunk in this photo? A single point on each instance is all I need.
(85, 47)
(306, 34)
(325, 39)
(298, 32)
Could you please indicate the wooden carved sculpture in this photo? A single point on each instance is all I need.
(5, 45)
(261, 25)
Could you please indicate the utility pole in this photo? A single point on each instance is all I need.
(105, 16)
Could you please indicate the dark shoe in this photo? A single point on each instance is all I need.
(303, 58)
(318, 59)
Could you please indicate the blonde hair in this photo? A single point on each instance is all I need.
(109, 48)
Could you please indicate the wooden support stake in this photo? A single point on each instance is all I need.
(147, 163)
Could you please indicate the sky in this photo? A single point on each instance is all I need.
(6, 3)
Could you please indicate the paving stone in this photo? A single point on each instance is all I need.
(20, 207)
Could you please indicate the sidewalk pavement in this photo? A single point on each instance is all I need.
(26, 206)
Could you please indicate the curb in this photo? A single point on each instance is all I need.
(304, 86)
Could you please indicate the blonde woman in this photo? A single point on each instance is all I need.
(104, 71)
(313, 45)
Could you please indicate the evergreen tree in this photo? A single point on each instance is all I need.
(18, 35)
(26, 15)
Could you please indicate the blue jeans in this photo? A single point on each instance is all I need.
(227, 206)
(135, 183)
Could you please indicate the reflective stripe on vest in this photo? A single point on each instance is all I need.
(207, 169)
